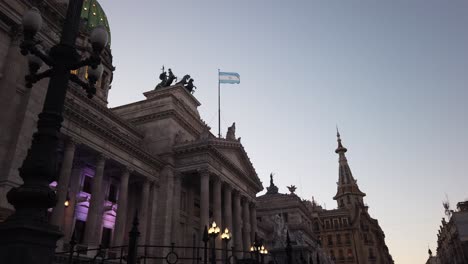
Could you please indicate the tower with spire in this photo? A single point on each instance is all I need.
(348, 194)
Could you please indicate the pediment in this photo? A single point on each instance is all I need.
(229, 154)
(235, 155)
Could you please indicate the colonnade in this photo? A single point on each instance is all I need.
(231, 209)
(68, 187)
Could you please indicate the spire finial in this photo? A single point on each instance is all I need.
(340, 148)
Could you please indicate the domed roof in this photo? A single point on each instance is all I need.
(94, 16)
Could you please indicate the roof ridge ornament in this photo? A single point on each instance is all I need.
(272, 189)
(340, 149)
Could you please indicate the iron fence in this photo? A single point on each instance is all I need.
(150, 254)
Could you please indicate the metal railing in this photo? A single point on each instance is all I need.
(148, 254)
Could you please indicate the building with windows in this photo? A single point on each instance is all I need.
(349, 234)
(156, 157)
(452, 238)
(280, 214)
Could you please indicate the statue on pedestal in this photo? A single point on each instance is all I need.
(170, 78)
(190, 87)
(272, 189)
(163, 78)
(231, 132)
(184, 80)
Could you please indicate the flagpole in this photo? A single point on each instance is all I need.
(219, 108)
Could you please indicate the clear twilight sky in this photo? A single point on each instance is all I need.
(392, 74)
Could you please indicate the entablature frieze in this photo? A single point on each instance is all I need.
(108, 134)
(74, 92)
(207, 153)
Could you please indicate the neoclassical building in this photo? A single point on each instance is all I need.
(349, 234)
(280, 214)
(155, 157)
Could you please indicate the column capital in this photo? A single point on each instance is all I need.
(178, 176)
(78, 163)
(101, 157)
(128, 168)
(70, 144)
(215, 178)
(156, 184)
(227, 186)
(204, 170)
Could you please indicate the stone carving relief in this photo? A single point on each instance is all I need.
(205, 133)
(179, 137)
(279, 231)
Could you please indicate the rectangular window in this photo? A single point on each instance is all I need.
(330, 240)
(347, 239)
(285, 217)
(336, 223)
(112, 196)
(338, 239)
(87, 184)
(79, 230)
(345, 222)
(106, 237)
(327, 224)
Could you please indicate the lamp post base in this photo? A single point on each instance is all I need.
(26, 242)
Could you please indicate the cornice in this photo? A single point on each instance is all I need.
(73, 112)
(210, 146)
(165, 114)
(75, 90)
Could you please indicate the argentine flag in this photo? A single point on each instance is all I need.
(229, 77)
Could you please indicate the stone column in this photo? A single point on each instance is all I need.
(175, 234)
(246, 224)
(227, 208)
(69, 218)
(143, 211)
(122, 211)
(204, 200)
(165, 202)
(253, 220)
(154, 207)
(237, 235)
(62, 184)
(217, 213)
(94, 218)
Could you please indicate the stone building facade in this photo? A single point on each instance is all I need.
(155, 156)
(349, 234)
(280, 214)
(452, 238)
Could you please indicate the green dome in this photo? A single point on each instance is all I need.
(94, 16)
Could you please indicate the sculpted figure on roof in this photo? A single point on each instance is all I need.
(231, 132)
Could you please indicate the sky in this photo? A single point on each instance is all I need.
(391, 74)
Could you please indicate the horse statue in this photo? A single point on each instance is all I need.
(163, 78)
(190, 87)
(184, 80)
(170, 78)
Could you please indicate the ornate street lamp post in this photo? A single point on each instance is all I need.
(213, 232)
(26, 236)
(226, 237)
(259, 249)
